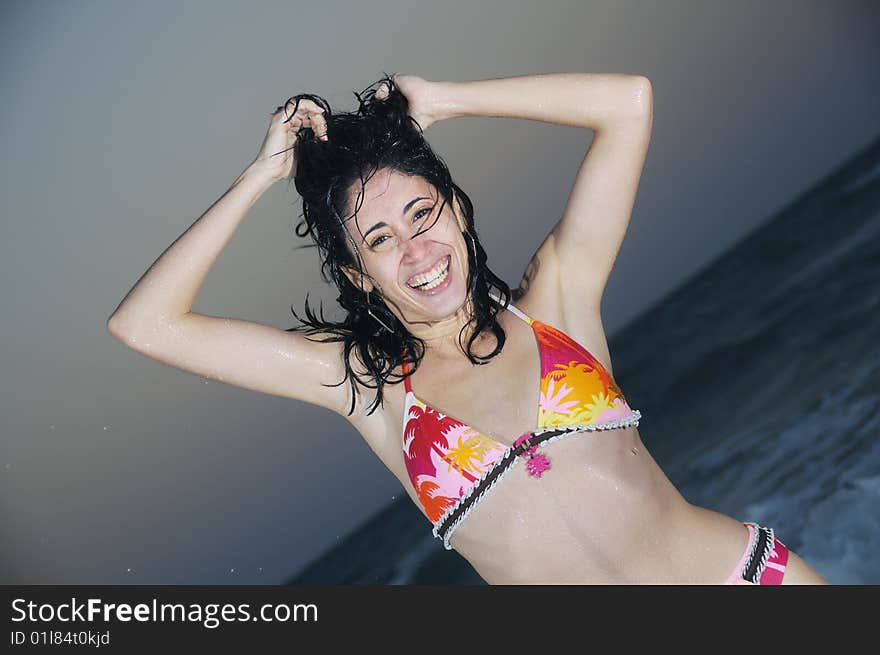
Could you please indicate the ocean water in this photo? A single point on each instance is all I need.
(759, 384)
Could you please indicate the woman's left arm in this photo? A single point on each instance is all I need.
(592, 100)
(619, 108)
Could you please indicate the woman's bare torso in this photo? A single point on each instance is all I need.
(604, 513)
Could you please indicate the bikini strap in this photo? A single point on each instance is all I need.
(513, 309)
(406, 383)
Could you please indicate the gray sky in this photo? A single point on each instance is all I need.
(123, 122)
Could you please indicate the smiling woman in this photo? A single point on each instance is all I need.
(534, 379)
(397, 237)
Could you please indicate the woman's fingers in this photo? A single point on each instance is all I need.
(321, 130)
(317, 122)
(307, 114)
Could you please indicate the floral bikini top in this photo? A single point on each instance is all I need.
(452, 466)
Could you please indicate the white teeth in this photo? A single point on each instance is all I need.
(432, 278)
(435, 283)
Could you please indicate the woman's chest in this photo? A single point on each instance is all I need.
(503, 414)
(542, 377)
(503, 399)
(501, 404)
(500, 399)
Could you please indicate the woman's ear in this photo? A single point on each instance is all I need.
(357, 278)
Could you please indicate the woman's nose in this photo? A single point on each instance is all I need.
(415, 248)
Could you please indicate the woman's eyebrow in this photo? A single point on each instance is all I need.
(406, 208)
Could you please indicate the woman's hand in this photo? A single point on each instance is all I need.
(423, 98)
(277, 156)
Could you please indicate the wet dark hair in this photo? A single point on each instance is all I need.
(379, 135)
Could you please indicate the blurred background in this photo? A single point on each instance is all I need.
(741, 312)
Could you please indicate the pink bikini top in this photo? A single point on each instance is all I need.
(452, 466)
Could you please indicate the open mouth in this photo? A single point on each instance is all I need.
(433, 278)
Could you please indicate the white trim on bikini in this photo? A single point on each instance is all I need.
(512, 308)
(631, 420)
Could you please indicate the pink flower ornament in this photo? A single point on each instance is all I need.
(538, 463)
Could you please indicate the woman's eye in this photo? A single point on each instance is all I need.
(419, 215)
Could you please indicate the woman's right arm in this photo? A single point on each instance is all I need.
(156, 317)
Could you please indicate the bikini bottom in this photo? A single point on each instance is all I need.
(763, 561)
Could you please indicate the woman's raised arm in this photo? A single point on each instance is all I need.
(155, 318)
(588, 235)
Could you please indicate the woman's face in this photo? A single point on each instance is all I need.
(412, 252)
